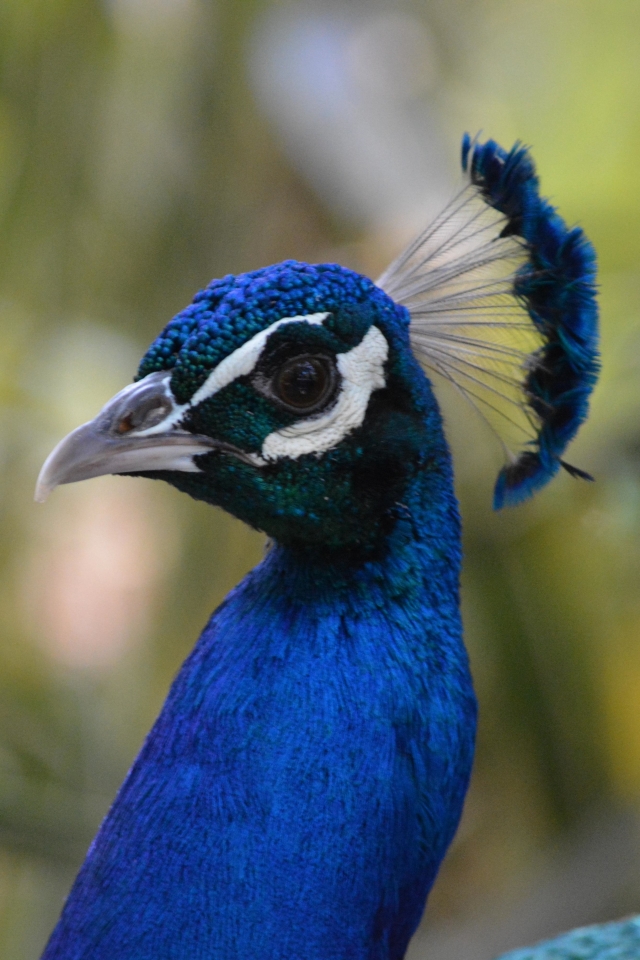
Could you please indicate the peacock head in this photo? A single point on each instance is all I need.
(291, 396)
(288, 396)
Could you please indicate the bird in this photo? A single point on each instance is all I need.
(619, 940)
(307, 772)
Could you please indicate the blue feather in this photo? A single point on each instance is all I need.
(497, 269)
(557, 286)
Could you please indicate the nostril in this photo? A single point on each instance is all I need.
(144, 415)
(151, 414)
(126, 424)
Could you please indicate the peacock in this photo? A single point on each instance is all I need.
(307, 772)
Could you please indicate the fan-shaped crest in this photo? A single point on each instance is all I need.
(501, 295)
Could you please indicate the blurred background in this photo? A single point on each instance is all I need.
(147, 146)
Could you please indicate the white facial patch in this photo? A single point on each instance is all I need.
(362, 371)
(242, 361)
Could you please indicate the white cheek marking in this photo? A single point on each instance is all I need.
(362, 371)
(241, 362)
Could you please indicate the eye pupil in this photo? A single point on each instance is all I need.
(303, 382)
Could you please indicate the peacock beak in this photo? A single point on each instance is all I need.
(138, 431)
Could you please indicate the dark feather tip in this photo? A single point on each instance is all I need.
(577, 472)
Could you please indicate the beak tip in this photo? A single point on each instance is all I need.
(45, 484)
(42, 492)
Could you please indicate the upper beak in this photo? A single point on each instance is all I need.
(137, 431)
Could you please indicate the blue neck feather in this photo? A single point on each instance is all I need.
(307, 772)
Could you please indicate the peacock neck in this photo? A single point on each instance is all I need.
(414, 564)
(307, 772)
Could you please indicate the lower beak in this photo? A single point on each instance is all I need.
(136, 432)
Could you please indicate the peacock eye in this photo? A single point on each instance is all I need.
(304, 383)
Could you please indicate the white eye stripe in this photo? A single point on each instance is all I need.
(362, 372)
(242, 361)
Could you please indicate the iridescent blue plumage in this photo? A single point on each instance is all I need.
(304, 779)
(556, 284)
(503, 304)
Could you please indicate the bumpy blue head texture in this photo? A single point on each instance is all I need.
(307, 773)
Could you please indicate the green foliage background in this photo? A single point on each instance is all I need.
(134, 166)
